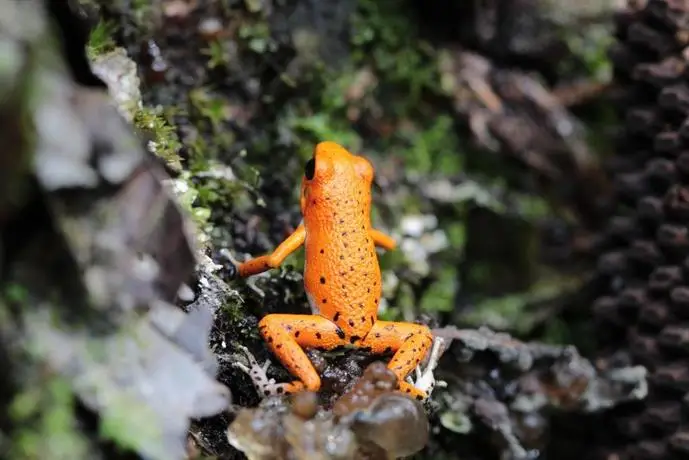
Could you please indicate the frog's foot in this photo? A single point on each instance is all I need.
(230, 264)
(411, 391)
(258, 373)
(425, 379)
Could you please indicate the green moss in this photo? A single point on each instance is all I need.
(433, 148)
(324, 126)
(591, 49)
(218, 56)
(234, 312)
(256, 36)
(404, 68)
(164, 140)
(187, 197)
(144, 14)
(101, 39)
(324, 115)
(385, 36)
(208, 108)
(210, 114)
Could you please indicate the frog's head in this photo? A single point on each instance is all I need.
(333, 172)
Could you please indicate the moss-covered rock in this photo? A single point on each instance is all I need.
(90, 264)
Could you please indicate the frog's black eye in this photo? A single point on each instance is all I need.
(310, 168)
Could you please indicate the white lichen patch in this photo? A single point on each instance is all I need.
(421, 238)
(119, 72)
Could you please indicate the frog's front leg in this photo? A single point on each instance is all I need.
(266, 262)
(383, 240)
(286, 336)
(409, 341)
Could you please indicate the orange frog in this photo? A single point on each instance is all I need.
(341, 276)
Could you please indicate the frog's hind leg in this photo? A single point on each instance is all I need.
(286, 336)
(409, 341)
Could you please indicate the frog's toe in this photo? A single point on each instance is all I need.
(258, 373)
(230, 270)
(413, 392)
(229, 264)
(425, 380)
(273, 389)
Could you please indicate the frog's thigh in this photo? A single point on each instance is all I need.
(287, 335)
(409, 341)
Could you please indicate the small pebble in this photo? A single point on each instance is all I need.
(305, 404)
(210, 28)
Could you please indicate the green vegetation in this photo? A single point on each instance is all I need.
(164, 140)
(126, 422)
(100, 40)
(45, 426)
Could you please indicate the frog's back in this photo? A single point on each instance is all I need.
(342, 276)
